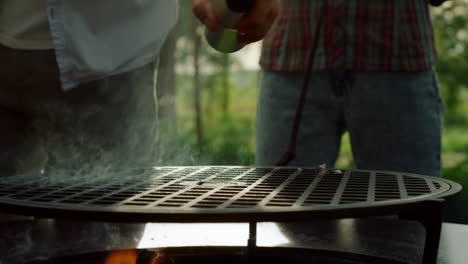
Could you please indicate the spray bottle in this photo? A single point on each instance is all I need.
(229, 12)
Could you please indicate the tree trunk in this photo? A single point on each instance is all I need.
(196, 82)
(226, 86)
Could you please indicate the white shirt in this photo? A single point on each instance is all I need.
(94, 39)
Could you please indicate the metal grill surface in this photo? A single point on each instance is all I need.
(218, 191)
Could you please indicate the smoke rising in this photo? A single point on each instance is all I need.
(98, 132)
(29, 241)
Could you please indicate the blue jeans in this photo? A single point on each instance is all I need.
(394, 119)
(101, 124)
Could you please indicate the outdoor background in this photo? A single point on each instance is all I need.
(207, 100)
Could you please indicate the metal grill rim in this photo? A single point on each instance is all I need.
(225, 189)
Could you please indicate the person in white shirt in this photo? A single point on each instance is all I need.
(76, 80)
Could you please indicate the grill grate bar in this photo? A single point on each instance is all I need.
(291, 177)
(372, 186)
(79, 190)
(57, 192)
(85, 193)
(339, 192)
(430, 183)
(208, 194)
(141, 196)
(402, 186)
(310, 188)
(27, 187)
(386, 187)
(229, 202)
(129, 187)
(58, 189)
(168, 197)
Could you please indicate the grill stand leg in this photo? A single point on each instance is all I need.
(252, 242)
(430, 216)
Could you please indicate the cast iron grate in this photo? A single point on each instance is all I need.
(215, 190)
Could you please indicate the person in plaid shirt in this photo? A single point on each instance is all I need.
(372, 75)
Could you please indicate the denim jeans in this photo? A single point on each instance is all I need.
(107, 123)
(394, 119)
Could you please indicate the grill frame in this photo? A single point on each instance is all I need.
(427, 208)
(230, 254)
(261, 212)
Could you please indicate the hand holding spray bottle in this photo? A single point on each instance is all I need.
(229, 12)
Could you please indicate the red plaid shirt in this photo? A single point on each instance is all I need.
(360, 35)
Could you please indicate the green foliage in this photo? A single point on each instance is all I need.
(229, 100)
(459, 173)
(230, 141)
(451, 27)
(229, 136)
(455, 139)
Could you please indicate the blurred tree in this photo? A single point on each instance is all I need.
(196, 38)
(201, 80)
(451, 26)
(226, 86)
(210, 70)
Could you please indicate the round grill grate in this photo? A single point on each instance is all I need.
(226, 193)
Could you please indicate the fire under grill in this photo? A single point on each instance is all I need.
(232, 194)
(225, 255)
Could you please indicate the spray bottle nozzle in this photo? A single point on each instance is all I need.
(229, 12)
